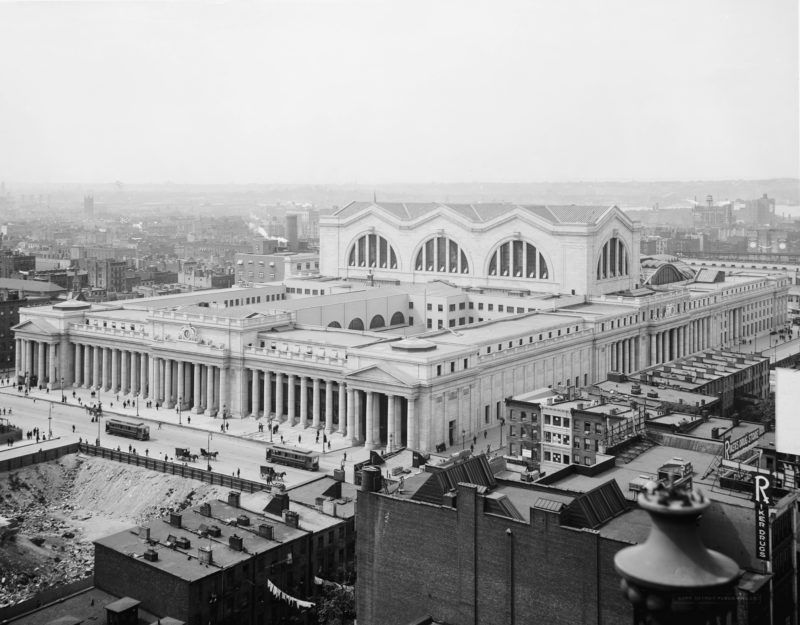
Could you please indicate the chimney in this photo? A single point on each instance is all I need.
(266, 531)
(291, 518)
(233, 498)
(243, 519)
(449, 499)
(144, 532)
(204, 554)
(175, 519)
(205, 509)
(235, 542)
(318, 502)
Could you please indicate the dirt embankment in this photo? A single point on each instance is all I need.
(50, 513)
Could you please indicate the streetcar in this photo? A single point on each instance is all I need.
(139, 431)
(293, 457)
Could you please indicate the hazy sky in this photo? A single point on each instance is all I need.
(371, 91)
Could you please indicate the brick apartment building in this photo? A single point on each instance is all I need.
(494, 550)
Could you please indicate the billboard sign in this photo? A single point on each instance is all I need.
(762, 490)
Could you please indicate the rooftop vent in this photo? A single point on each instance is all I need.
(144, 533)
(183, 542)
(266, 531)
(204, 554)
(205, 509)
(214, 531)
(235, 542)
(175, 519)
(151, 555)
(243, 519)
(291, 518)
(233, 498)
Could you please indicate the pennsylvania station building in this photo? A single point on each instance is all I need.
(424, 317)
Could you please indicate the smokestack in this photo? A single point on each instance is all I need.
(291, 232)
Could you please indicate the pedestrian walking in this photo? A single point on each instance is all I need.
(238, 472)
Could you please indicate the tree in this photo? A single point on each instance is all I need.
(336, 606)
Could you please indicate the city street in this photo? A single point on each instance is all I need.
(241, 448)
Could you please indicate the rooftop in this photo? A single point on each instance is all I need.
(481, 213)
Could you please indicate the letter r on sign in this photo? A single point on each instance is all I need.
(761, 485)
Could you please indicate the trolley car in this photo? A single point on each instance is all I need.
(293, 457)
(139, 431)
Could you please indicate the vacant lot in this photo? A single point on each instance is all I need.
(50, 513)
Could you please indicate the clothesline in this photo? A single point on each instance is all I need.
(279, 594)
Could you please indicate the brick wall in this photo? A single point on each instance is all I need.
(159, 592)
(467, 567)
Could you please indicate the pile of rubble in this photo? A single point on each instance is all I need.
(53, 511)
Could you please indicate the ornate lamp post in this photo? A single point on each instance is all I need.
(672, 578)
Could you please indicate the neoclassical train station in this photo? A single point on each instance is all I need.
(424, 318)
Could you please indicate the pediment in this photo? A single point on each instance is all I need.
(35, 327)
(380, 374)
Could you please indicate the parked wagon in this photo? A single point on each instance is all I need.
(181, 453)
(271, 475)
(208, 454)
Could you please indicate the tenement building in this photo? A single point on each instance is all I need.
(422, 320)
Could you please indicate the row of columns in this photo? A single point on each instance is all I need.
(625, 355)
(334, 407)
(37, 358)
(681, 341)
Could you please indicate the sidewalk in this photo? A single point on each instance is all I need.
(247, 427)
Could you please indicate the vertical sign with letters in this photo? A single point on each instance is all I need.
(762, 489)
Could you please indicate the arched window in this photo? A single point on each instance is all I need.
(372, 251)
(519, 259)
(441, 254)
(377, 322)
(334, 324)
(614, 261)
(356, 324)
(398, 319)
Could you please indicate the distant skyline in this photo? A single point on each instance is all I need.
(378, 92)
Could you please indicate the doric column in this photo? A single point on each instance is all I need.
(29, 362)
(125, 380)
(369, 440)
(167, 364)
(180, 393)
(76, 366)
(315, 403)
(411, 425)
(198, 387)
(152, 380)
(267, 393)
(223, 388)
(254, 393)
(279, 396)
(329, 406)
(210, 384)
(342, 413)
(653, 349)
(51, 365)
(290, 399)
(40, 363)
(17, 358)
(106, 368)
(114, 356)
(390, 433)
(351, 419)
(86, 362)
(143, 386)
(98, 359)
(134, 387)
(303, 401)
